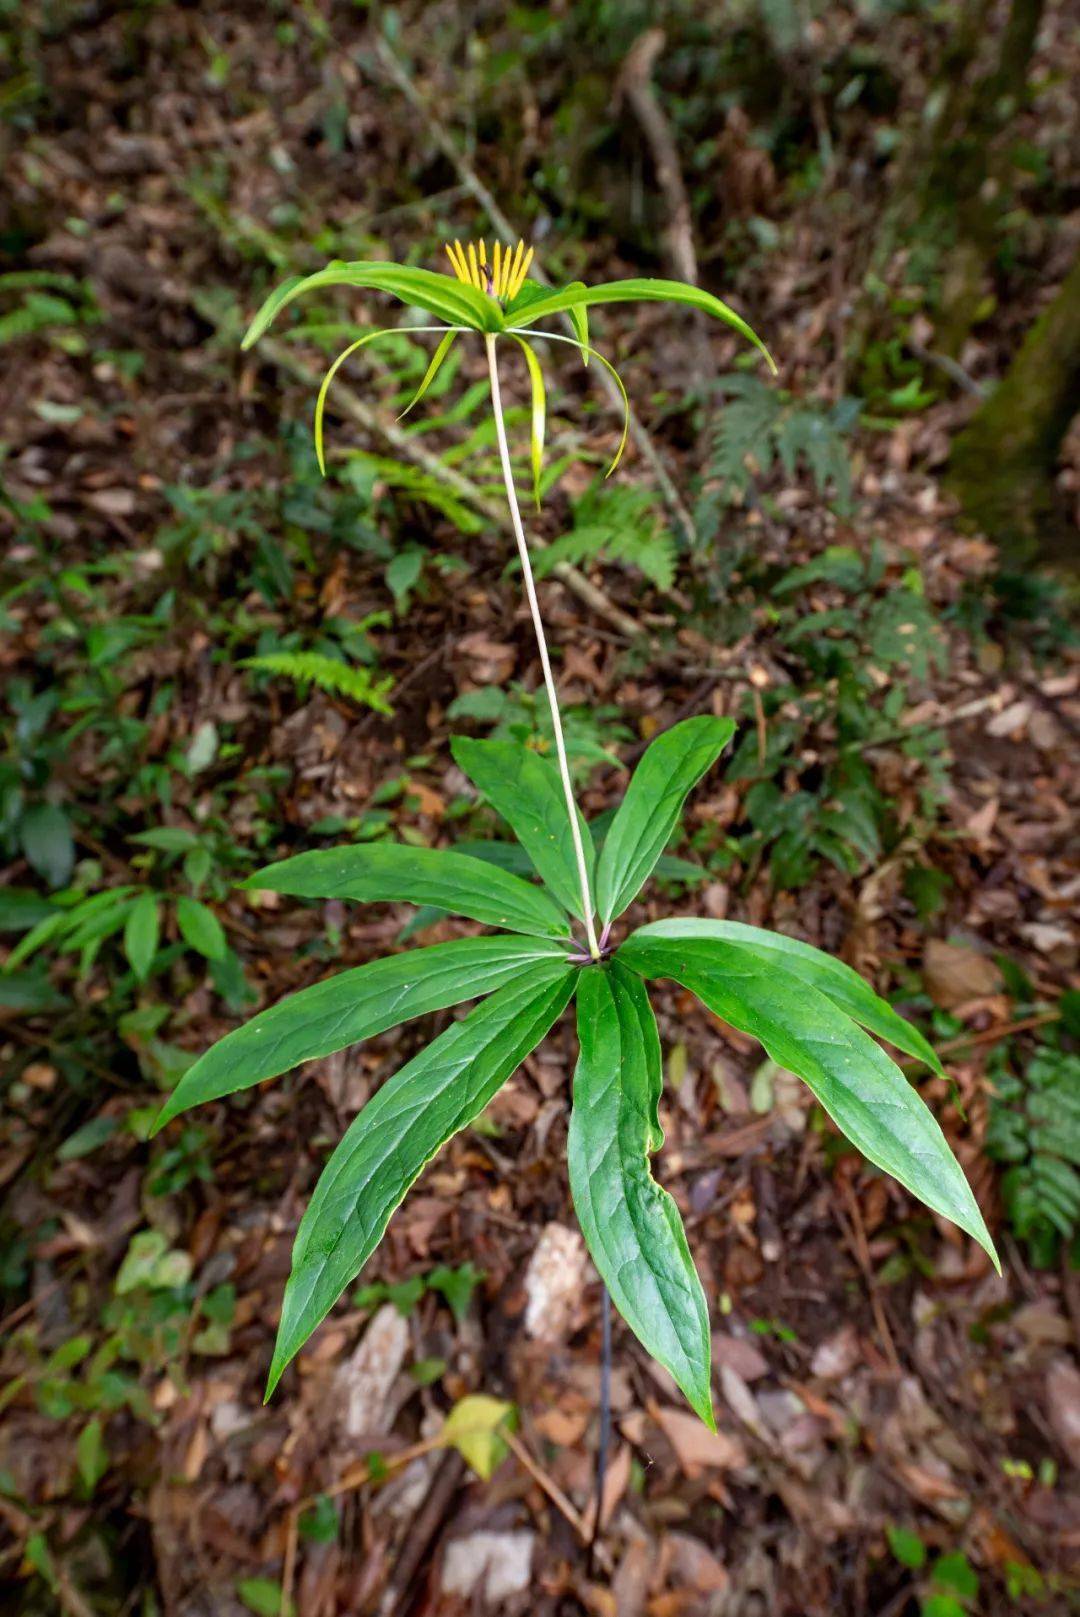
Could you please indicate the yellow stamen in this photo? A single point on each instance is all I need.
(503, 277)
(519, 278)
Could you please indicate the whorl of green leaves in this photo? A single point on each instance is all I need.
(808, 1010)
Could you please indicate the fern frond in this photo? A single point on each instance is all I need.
(618, 524)
(1035, 1126)
(758, 425)
(327, 674)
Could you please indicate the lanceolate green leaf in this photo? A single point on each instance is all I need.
(842, 985)
(355, 1005)
(430, 1099)
(440, 295)
(142, 928)
(525, 789)
(863, 1091)
(434, 367)
(320, 402)
(391, 872)
(587, 353)
(670, 768)
(539, 415)
(648, 291)
(632, 1226)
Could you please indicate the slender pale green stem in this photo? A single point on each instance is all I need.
(541, 641)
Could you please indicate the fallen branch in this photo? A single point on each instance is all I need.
(634, 86)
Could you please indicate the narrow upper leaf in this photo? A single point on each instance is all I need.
(392, 872)
(434, 366)
(587, 353)
(648, 291)
(539, 415)
(526, 790)
(842, 985)
(440, 295)
(320, 402)
(387, 1146)
(351, 1006)
(670, 768)
(861, 1088)
(631, 1225)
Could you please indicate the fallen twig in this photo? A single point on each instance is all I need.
(990, 1035)
(856, 1238)
(549, 1486)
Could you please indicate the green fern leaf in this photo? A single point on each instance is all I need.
(335, 678)
(1035, 1126)
(745, 428)
(617, 524)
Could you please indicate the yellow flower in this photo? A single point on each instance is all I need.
(503, 278)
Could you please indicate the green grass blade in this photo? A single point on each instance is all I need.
(631, 1226)
(433, 1097)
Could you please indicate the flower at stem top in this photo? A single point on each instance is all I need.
(493, 295)
(502, 279)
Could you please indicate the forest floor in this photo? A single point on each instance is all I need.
(899, 1428)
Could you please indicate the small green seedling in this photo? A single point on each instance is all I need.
(813, 1014)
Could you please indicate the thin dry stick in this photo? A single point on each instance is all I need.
(355, 1477)
(861, 1249)
(548, 1486)
(634, 85)
(990, 1035)
(396, 71)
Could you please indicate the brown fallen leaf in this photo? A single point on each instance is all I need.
(956, 974)
(630, 1584)
(1063, 1406)
(562, 1427)
(693, 1563)
(696, 1448)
